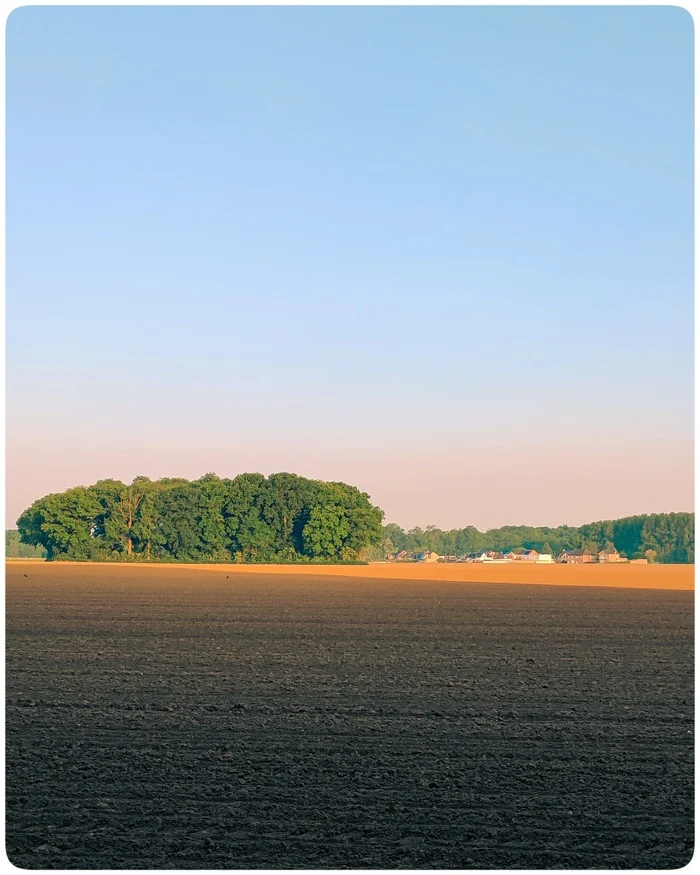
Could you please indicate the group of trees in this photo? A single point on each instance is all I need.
(661, 537)
(15, 549)
(287, 518)
(282, 518)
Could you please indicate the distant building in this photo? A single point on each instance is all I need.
(609, 556)
(639, 561)
(545, 557)
(426, 556)
(577, 557)
(487, 556)
(522, 555)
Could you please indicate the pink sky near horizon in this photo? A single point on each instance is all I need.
(481, 483)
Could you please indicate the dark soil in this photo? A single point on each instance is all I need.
(177, 719)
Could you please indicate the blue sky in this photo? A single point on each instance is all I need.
(429, 240)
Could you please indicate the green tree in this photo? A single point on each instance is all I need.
(363, 520)
(63, 524)
(325, 531)
(396, 536)
(284, 502)
(176, 532)
(147, 519)
(117, 523)
(16, 549)
(249, 535)
(212, 494)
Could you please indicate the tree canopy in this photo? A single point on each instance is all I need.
(15, 549)
(247, 519)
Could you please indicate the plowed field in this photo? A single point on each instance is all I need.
(182, 718)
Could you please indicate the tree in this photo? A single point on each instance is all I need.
(212, 494)
(546, 549)
(628, 534)
(325, 532)
(373, 554)
(432, 537)
(63, 524)
(470, 540)
(284, 502)
(387, 548)
(248, 534)
(176, 533)
(396, 536)
(145, 526)
(117, 522)
(16, 549)
(363, 520)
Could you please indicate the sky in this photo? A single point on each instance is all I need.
(443, 254)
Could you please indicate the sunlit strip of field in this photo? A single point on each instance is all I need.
(678, 577)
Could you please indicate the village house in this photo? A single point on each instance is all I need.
(426, 556)
(487, 556)
(609, 556)
(577, 557)
(522, 555)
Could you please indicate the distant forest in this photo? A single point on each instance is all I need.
(282, 518)
(659, 537)
(287, 518)
(15, 549)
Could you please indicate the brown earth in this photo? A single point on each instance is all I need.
(618, 575)
(178, 718)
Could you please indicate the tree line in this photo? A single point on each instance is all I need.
(15, 549)
(661, 537)
(250, 518)
(287, 518)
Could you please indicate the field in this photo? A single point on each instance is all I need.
(204, 717)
